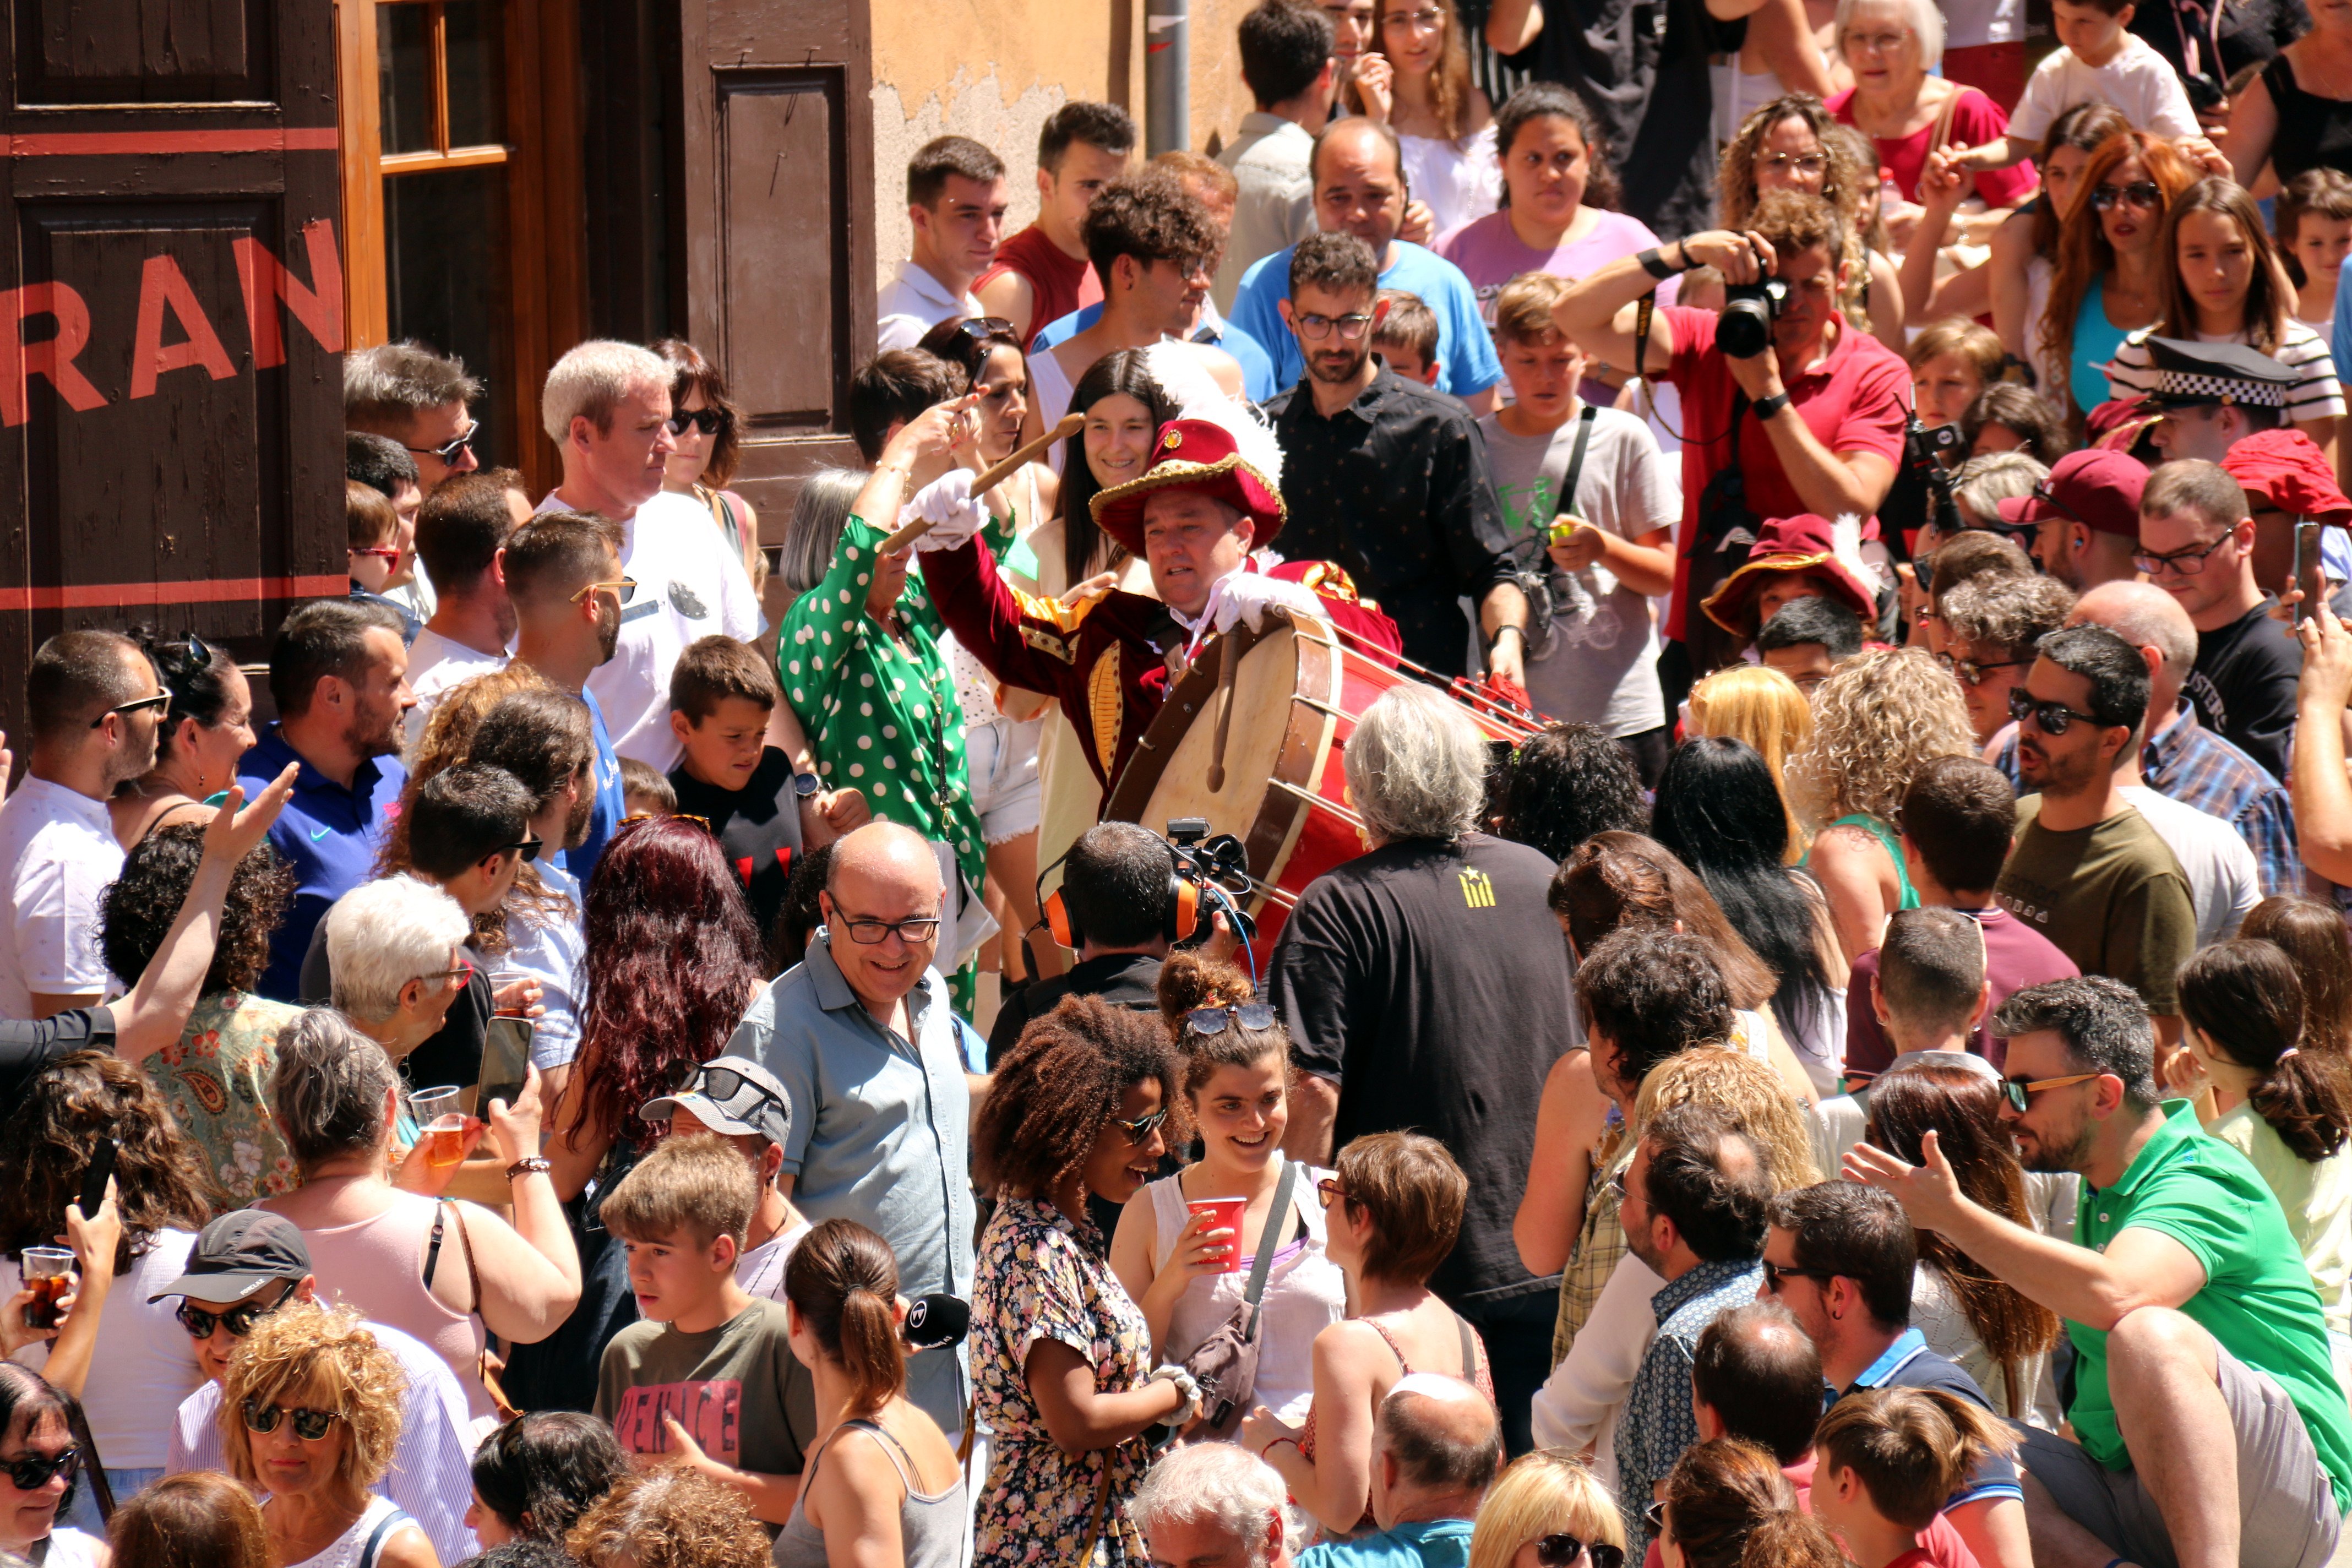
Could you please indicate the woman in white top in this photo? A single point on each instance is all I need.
(310, 1411)
(38, 1458)
(2282, 1097)
(1416, 80)
(1186, 1270)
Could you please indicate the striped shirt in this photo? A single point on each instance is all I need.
(2313, 395)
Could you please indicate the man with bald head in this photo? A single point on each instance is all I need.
(1436, 1448)
(860, 1034)
(1359, 189)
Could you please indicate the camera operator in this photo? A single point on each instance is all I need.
(1816, 425)
(1116, 899)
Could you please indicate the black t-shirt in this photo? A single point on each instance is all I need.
(1123, 978)
(1430, 982)
(27, 1045)
(2242, 685)
(758, 829)
(2208, 42)
(454, 1053)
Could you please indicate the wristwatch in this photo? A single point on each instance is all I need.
(807, 784)
(1766, 407)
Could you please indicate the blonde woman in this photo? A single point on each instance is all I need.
(308, 1413)
(1764, 708)
(1547, 1511)
(1876, 720)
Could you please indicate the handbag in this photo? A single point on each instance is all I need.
(1225, 1364)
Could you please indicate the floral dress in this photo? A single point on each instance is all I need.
(1040, 1276)
(216, 1080)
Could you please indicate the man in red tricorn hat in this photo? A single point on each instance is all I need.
(1195, 517)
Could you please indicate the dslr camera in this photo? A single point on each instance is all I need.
(1748, 312)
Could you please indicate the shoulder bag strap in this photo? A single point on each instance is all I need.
(383, 1527)
(433, 1249)
(1102, 1503)
(93, 1466)
(483, 1363)
(1469, 1350)
(1269, 1237)
(1576, 460)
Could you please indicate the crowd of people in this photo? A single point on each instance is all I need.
(579, 1069)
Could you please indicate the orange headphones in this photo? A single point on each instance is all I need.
(1184, 908)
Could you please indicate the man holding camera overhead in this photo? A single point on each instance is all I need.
(1813, 425)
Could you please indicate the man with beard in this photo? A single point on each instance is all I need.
(2088, 871)
(563, 577)
(339, 675)
(2211, 1428)
(1387, 478)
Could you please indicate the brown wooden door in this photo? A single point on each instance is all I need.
(778, 218)
(171, 319)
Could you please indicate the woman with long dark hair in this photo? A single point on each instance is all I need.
(2107, 275)
(1565, 783)
(1718, 811)
(536, 1475)
(2313, 937)
(208, 728)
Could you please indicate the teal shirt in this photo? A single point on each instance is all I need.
(1440, 1543)
(2097, 339)
(2258, 1301)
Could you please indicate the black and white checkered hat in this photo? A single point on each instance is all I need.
(2189, 375)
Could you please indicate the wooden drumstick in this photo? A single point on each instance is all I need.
(1070, 426)
(1229, 664)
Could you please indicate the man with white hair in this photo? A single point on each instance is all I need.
(1424, 986)
(397, 947)
(1436, 1447)
(607, 405)
(1214, 1505)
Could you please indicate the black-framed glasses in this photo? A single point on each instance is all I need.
(1972, 672)
(1774, 1273)
(2188, 563)
(2054, 718)
(710, 421)
(447, 451)
(1561, 1551)
(983, 328)
(237, 1321)
(161, 702)
(33, 1472)
(1213, 1020)
(2042, 493)
(309, 1424)
(1141, 1128)
(2021, 1091)
(2145, 194)
(913, 932)
(624, 589)
(529, 849)
(1315, 327)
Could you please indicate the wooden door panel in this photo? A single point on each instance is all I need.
(142, 51)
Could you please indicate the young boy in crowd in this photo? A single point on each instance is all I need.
(1887, 1459)
(1586, 487)
(738, 1099)
(1928, 993)
(644, 792)
(378, 552)
(1406, 339)
(2102, 61)
(1952, 362)
(2313, 221)
(762, 811)
(707, 1371)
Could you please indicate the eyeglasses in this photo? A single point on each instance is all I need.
(1328, 1191)
(447, 450)
(529, 849)
(161, 702)
(1213, 1020)
(1427, 20)
(309, 1424)
(1774, 1274)
(1561, 1551)
(913, 932)
(32, 1472)
(2145, 194)
(2021, 1091)
(2054, 718)
(464, 973)
(1877, 43)
(1315, 328)
(1654, 1514)
(986, 327)
(624, 589)
(2188, 563)
(1141, 1128)
(1972, 672)
(1801, 162)
(374, 551)
(237, 1321)
(1619, 1186)
(710, 421)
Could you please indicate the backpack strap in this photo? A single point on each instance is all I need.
(376, 1537)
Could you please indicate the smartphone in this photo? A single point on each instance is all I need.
(2306, 569)
(506, 1059)
(94, 1179)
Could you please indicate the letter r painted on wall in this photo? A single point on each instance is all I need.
(54, 357)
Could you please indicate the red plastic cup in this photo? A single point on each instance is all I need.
(1224, 1214)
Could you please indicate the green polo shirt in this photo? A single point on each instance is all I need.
(2258, 1301)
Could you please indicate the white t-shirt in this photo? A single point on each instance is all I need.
(690, 583)
(760, 1271)
(1598, 662)
(436, 665)
(551, 947)
(145, 1364)
(911, 304)
(2138, 81)
(2315, 394)
(2224, 883)
(58, 852)
(1460, 180)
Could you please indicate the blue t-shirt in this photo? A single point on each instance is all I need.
(1257, 368)
(2097, 339)
(604, 815)
(1435, 1543)
(1909, 1364)
(327, 834)
(1466, 364)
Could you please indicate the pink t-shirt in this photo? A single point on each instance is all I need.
(1976, 120)
(1490, 254)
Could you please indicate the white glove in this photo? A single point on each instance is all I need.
(1249, 595)
(947, 504)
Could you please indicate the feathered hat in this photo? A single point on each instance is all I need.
(1801, 543)
(1217, 445)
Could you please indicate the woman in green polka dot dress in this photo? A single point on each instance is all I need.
(859, 660)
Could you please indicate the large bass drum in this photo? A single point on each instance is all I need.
(1298, 691)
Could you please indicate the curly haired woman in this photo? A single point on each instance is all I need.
(1789, 144)
(1061, 1356)
(670, 1517)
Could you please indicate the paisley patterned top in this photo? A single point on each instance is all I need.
(1041, 1277)
(216, 1080)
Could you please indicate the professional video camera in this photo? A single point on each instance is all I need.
(1219, 868)
(1748, 312)
(1923, 492)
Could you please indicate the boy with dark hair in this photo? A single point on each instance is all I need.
(890, 389)
(1806, 638)
(763, 812)
(1286, 54)
(707, 1371)
(1406, 338)
(1928, 993)
(377, 552)
(459, 532)
(644, 792)
(955, 200)
(2312, 220)
(1040, 274)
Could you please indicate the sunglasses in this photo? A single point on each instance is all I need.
(529, 849)
(237, 1321)
(309, 1424)
(723, 1084)
(161, 702)
(1141, 1128)
(624, 589)
(374, 551)
(1213, 1020)
(710, 421)
(986, 327)
(32, 1472)
(1328, 1191)
(1654, 1514)
(447, 450)
(2141, 194)
(2054, 718)
(1774, 1274)
(1561, 1550)
(1972, 672)
(2188, 563)
(2021, 1091)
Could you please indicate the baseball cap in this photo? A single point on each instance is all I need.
(2098, 488)
(239, 1253)
(733, 1095)
(2286, 468)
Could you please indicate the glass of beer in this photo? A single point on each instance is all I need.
(48, 1275)
(440, 1123)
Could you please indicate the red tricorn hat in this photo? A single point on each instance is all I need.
(2290, 469)
(1193, 455)
(1801, 543)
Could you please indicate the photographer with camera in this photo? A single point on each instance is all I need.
(1815, 426)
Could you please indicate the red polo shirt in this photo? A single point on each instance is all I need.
(1061, 284)
(1856, 400)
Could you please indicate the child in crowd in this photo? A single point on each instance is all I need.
(644, 792)
(707, 1372)
(736, 1098)
(1406, 338)
(1952, 362)
(379, 555)
(1926, 985)
(2102, 61)
(763, 813)
(1887, 1459)
(2312, 220)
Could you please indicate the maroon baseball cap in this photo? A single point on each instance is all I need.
(2098, 488)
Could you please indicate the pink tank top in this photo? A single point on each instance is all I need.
(376, 1269)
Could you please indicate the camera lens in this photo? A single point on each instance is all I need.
(1745, 328)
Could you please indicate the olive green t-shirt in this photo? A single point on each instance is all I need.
(737, 1389)
(2110, 897)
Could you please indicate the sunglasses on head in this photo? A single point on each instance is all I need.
(237, 1321)
(1561, 1551)
(309, 1424)
(710, 421)
(33, 1472)
(723, 1084)
(447, 450)
(986, 327)
(2054, 718)
(1213, 1020)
